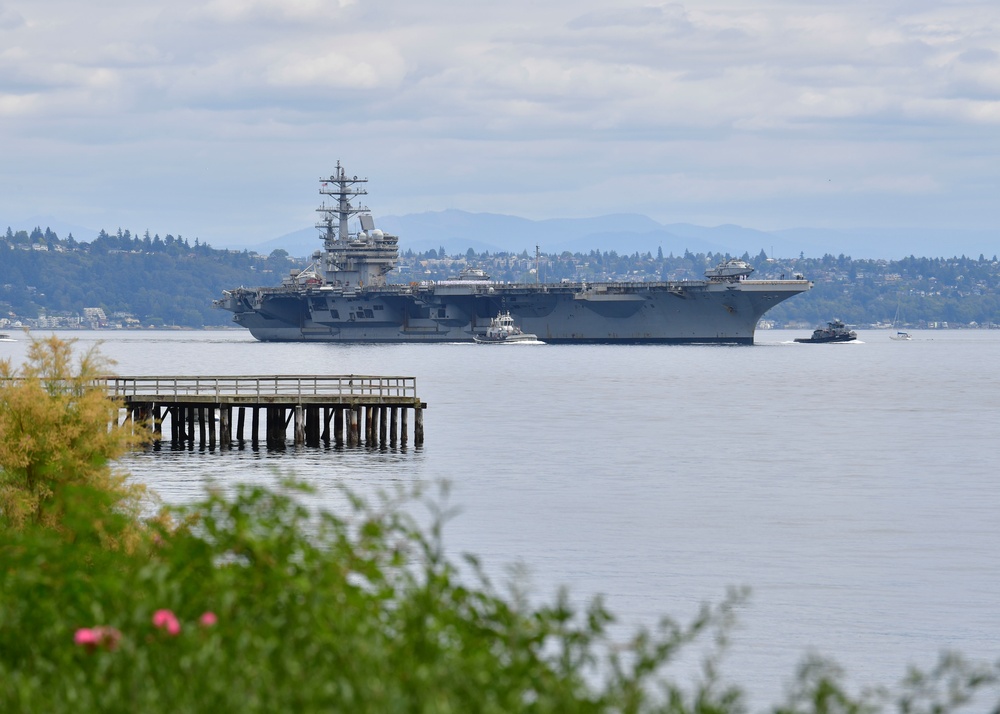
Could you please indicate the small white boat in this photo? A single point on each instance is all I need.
(4, 337)
(901, 335)
(503, 331)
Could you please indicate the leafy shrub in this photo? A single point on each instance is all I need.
(254, 604)
(59, 435)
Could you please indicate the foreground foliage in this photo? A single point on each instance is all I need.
(59, 436)
(253, 604)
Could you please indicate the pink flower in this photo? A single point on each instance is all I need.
(93, 637)
(167, 620)
(86, 637)
(208, 619)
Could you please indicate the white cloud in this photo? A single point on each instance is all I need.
(357, 62)
(239, 11)
(17, 104)
(741, 101)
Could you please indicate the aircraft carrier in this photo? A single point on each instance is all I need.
(344, 295)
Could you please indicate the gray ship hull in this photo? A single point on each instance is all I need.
(344, 295)
(631, 313)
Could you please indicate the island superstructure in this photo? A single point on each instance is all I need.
(344, 295)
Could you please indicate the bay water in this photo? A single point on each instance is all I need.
(852, 487)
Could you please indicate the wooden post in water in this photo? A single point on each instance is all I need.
(312, 426)
(393, 425)
(241, 418)
(327, 415)
(418, 426)
(225, 433)
(255, 425)
(272, 425)
(300, 427)
(354, 429)
(210, 415)
(175, 425)
(190, 425)
(383, 418)
(403, 428)
(201, 426)
(281, 425)
(338, 426)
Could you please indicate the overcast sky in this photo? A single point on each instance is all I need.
(216, 119)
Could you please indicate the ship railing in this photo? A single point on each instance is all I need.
(596, 286)
(264, 387)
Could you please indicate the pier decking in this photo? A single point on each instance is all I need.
(321, 409)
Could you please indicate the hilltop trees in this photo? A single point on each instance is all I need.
(162, 281)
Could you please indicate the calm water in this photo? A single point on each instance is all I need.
(852, 487)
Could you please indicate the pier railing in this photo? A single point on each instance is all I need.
(262, 387)
(324, 408)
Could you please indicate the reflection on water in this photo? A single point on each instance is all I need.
(183, 475)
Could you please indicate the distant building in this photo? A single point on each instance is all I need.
(95, 316)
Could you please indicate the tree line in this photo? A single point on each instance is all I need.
(171, 281)
(164, 281)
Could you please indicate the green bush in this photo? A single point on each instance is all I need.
(310, 613)
(254, 604)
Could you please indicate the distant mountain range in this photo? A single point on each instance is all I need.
(457, 231)
(625, 233)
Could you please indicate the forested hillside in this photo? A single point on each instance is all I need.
(156, 281)
(51, 282)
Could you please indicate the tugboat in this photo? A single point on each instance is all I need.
(835, 331)
(503, 331)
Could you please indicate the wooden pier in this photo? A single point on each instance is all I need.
(346, 410)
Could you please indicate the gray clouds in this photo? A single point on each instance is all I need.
(215, 118)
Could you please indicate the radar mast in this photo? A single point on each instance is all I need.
(360, 259)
